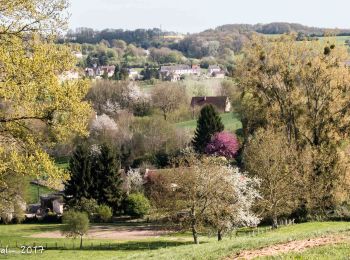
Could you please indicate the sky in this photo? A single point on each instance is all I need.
(197, 15)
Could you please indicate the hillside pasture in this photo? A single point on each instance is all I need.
(230, 120)
(170, 246)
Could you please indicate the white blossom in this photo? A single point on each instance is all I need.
(103, 123)
(134, 181)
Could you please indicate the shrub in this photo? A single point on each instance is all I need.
(137, 205)
(75, 224)
(223, 144)
(105, 213)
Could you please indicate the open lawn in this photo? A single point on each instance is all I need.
(230, 120)
(175, 246)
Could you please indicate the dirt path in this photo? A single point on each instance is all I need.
(293, 246)
(111, 232)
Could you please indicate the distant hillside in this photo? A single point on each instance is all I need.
(280, 28)
(215, 46)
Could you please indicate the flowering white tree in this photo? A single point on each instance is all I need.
(233, 202)
(103, 124)
(207, 192)
(133, 181)
(111, 107)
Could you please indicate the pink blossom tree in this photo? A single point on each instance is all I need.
(223, 144)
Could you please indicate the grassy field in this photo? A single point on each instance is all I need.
(34, 191)
(340, 251)
(230, 120)
(174, 246)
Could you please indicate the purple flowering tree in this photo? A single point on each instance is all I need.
(223, 144)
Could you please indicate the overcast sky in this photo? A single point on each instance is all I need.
(198, 15)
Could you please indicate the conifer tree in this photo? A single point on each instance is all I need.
(107, 177)
(80, 183)
(208, 123)
(117, 72)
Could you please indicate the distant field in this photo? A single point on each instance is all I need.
(230, 120)
(194, 86)
(339, 39)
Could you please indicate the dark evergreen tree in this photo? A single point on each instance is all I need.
(208, 123)
(81, 181)
(117, 75)
(108, 181)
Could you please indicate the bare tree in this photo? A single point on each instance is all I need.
(168, 97)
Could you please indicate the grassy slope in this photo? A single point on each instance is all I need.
(339, 251)
(178, 247)
(231, 122)
(32, 192)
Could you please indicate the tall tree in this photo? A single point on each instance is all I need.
(208, 193)
(303, 87)
(81, 181)
(270, 158)
(36, 109)
(107, 177)
(208, 123)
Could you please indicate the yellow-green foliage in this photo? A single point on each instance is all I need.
(36, 108)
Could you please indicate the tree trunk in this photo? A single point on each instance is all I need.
(195, 235)
(274, 222)
(219, 235)
(81, 242)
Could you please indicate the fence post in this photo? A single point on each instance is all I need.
(56, 244)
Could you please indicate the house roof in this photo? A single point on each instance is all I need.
(219, 101)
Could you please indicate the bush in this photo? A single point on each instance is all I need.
(105, 213)
(75, 224)
(137, 205)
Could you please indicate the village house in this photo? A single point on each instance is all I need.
(69, 75)
(213, 69)
(134, 74)
(219, 75)
(216, 72)
(222, 103)
(100, 71)
(78, 54)
(174, 73)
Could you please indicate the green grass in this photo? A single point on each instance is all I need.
(34, 191)
(230, 120)
(174, 247)
(63, 165)
(338, 251)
